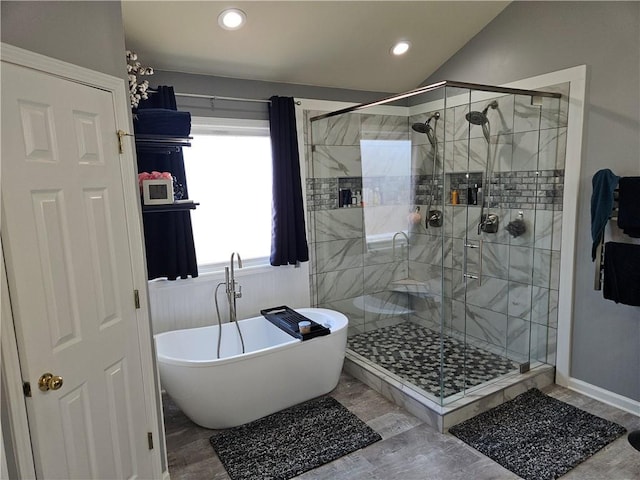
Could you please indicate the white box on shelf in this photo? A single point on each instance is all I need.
(157, 192)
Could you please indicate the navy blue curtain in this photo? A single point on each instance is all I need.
(163, 97)
(288, 236)
(168, 236)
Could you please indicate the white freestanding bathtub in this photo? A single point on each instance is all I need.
(275, 372)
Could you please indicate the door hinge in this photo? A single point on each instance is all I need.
(136, 298)
(26, 388)
(150, 440)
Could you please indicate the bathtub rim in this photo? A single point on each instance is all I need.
(341, 318)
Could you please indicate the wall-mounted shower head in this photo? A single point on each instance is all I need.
(421, 127)
(427, 128)
(480, 118)
(476, 118)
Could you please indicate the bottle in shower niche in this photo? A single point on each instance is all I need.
(357, 199)
(344, 198)
(472, 195)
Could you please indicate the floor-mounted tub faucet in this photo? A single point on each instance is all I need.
(231, 283)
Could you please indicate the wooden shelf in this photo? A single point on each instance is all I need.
(170, 207)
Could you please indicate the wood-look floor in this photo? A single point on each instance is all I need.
(409, 448)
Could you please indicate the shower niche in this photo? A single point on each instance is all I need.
(426, 270)
(464, 188)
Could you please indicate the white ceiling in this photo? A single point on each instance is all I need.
(331, 44)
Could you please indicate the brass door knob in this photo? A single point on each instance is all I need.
(48, 381)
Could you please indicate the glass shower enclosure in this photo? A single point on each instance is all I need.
(434, 222)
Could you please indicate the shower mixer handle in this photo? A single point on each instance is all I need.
(488, 223)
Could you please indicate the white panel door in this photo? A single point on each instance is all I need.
(70, 278)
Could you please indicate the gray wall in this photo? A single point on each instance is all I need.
(89, 34)
(532, 38)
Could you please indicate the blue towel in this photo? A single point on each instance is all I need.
(162, 121)
(629, 206)
(604, 183)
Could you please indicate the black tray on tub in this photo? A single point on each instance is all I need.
(286, 319)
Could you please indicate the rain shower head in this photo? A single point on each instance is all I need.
(480, 118)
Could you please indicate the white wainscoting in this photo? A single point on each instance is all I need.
(189, 303)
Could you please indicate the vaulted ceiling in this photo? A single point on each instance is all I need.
(331, 44)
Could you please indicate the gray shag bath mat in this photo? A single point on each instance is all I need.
(288, 443)
(537, 437)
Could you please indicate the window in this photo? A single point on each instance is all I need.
(386, 181)
(228, 169)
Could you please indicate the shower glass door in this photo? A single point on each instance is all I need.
(503, 172)
(483, 149)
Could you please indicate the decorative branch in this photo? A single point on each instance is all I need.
(137, 91)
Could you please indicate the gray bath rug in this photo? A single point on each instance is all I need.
(537, 437)
(288, 443)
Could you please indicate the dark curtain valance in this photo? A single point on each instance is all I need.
(288, 236)
(168, 236)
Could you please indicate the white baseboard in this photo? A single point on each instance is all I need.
(605, 396)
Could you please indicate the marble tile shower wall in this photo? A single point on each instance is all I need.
(346, 273)
(515, 304)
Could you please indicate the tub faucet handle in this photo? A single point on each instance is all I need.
(238, 294)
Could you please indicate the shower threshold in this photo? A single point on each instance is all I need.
(458, 407)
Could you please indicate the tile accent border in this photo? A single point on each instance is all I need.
(530, 189)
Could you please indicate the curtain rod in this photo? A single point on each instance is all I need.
(218, 97)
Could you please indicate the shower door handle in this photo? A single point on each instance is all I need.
(466, 275)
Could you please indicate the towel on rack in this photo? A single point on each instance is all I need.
(622, 273)
(629, 206)
(162, 121)
(604, 182)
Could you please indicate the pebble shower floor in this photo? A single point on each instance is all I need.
(412, 352)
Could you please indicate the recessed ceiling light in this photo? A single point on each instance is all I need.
(401, 48)
(232, 19)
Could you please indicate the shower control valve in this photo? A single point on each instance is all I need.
(489, 223)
